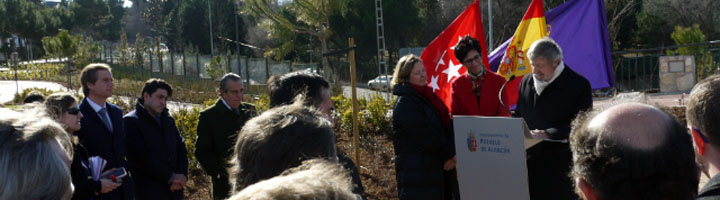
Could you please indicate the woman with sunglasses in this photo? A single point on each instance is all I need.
(63, 108)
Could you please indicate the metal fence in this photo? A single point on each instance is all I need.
(638, 70)
(192, 66)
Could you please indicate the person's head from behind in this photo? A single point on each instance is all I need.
(35, 154)
(231, 89)
(63, 108)
(469, 52)
(703, 117)
(284, 89)
(315, 179)
(34, 96)
(632, 151)
(544, 55)
(410, 70)
(97, 81)
(155, 94)
(279, 139)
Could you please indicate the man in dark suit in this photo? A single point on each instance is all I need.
(217, 131)
(549, 100)
(156, 153)
(103, 132)
(703, 113)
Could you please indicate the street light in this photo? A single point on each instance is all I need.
(14, 57)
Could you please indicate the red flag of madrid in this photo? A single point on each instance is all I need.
(439, 57)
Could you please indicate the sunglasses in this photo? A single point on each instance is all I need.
(73, 111)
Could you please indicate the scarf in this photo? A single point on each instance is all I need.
(474, 79)
(541, 85)
(436, 102)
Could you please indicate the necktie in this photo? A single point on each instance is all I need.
(103, 116)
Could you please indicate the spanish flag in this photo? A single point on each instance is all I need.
(514, 62)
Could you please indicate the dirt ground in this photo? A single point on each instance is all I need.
(377, 170)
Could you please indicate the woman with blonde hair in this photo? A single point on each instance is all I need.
(63, 108)
(422, 136)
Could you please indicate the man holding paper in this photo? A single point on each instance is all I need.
(156, 153)
(102, 132)
(549, 100)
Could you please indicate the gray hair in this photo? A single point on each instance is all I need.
(314, 179)
(546, 48)
(30, 167)
(228, 77)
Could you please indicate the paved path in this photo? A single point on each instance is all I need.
(669, 100)
(8, 88)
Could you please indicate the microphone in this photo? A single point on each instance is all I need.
(501, 91)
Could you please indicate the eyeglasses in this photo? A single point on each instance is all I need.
(471, 60)
(73, 111)
(696, 131)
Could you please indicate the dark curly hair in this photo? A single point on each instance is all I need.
(465, 45)
(283, 89)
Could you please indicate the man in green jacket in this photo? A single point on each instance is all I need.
(217, 131)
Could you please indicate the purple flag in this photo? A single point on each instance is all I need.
(580, 28)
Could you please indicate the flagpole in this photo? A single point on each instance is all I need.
(490, 31)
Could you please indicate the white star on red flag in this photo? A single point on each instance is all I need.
(452, 71)
(439, 56)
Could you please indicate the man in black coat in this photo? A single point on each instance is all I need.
(549, 100)
(103, 132)
(156, 152)
(217, 131)
(703, 112)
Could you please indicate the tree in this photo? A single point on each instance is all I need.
(690, 35)
(658, 17)
(98, 18)
(139, 50)
(114, 27)
(125, 53)
(3, 23)
(621, 15)
(193, 14)
(91, 16)
(312, 19)
(78, 50)
(63, 46)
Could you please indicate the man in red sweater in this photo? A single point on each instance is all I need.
(476, 92)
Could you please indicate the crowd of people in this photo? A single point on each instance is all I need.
(60, 147)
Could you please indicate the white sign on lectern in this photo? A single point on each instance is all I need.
(491, 157)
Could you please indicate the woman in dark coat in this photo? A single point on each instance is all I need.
(63, 108)
(422, 136)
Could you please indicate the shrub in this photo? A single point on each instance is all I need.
(217, 67)
(18, 99)
(186, 120)
(373, 115)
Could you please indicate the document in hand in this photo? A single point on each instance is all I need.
(97, 164)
